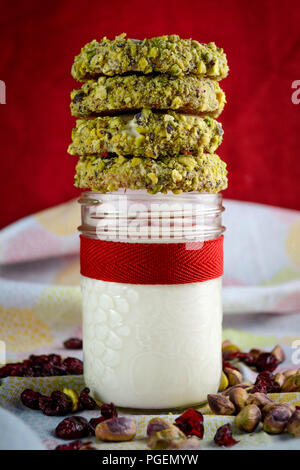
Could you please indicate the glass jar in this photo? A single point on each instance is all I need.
(152, 346)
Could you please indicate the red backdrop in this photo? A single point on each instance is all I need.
(262, 127)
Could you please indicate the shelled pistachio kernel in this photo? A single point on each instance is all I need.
(277, 418)
(74, 397)
(190, 443)
(288, 373)
(163, 439)
(279, 378)
(259, 399)
(220, 405)
(238, 396)
(223, 382)
(116, 429)
(229, 347)
(255, 353)
(292, 383)
(234, 376)
(157, 424)
(293, 426)
(248, 418)
(265, 410)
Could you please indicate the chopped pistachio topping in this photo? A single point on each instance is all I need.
(188, 94)
(164, 54)
(146, 134)
(206, 173)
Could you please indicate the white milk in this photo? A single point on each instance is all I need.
(149, 346)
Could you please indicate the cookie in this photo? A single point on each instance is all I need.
(146, 134)
(164, 54)
(112, 95)
(206, 173)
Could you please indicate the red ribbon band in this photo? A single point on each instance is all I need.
(151, 263)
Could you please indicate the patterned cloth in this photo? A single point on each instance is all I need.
(40, 301)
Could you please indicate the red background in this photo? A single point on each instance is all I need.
(40, 38)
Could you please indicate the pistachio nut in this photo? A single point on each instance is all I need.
(163, 439)
(276, 420)
(234, 376)
(279, 378)
(238, 396)
(248, 418)
(270, 406)
(293, 426)
(255, 353)
(223, 382)
(278, 352)
(157, 424)
(259, 399)
(220, 405)
(292, 384)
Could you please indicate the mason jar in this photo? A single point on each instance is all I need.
(151, 280)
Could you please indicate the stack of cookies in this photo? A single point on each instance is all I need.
(147, 114)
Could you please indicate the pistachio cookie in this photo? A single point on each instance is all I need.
(206, 173)
(146, 134)
(110, 95)
(164, 54)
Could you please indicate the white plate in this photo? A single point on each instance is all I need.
(16, 435)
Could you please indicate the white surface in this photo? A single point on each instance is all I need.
(152, 346)
(16, 435)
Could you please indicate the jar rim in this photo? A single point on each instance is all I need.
(192, 196)
(177, 217)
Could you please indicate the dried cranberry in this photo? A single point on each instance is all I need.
(75, 445)
(75, 427)
(5, 371)
(108, 410)
(265, 383)
(47, 406)
(228, 355)
(54, 359)
(37, 360)
(223, 436)
(266, 362)
(42, 366)
(73, 343)
(85, 401)
(246, 358)
(50, 370)
(93, 423)
(62, 402)
(30, 398)
(73, 366)
(12, 370)
(191, 423)
(59, 404)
